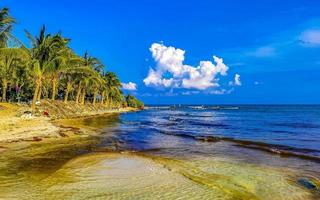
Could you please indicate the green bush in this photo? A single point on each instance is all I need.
(134, 102)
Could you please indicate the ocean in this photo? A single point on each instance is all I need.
(292, 130)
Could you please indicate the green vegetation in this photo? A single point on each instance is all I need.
(134, 102)
(50, 69)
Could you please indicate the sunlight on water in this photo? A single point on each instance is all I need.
(143, 176)
(84, 167)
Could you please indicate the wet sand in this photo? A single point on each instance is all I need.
(136, 176)
(80, 167)
(15, 126)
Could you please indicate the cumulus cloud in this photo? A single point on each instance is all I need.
(311, 37)
(236, 81)
(170, 61)
(129, 86)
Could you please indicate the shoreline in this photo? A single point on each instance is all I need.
(56, 167)
(18, 125)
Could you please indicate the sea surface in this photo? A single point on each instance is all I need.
(169, 152)
(283, 129)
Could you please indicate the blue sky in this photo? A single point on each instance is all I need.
(270, 49)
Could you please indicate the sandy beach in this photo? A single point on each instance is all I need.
(18, 125)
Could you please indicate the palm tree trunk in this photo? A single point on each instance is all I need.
(4, 90)
(102, 97)
(66, 96)
(83, 96)
(95, 93)
(78, 94)
(39, 92)
(35, 95)
(111, 103)
(45, 93)
(68, 89)
(107, 100)
(54, 89)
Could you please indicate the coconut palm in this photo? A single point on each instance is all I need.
(49, 67)
(60, 63)
(73, 65)
(44, 57)
(10, 60)
(88, 77)
(6, 22)
(93, 62)
(96, 83)
(112, 85)
(82, 72)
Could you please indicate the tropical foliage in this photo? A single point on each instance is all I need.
(50, 69)
(134, 102)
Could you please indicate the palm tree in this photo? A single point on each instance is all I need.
(10, 60)
(49, 65)
(59, 65)
(80, 71)
(6, 22)
(73, 65)
(112, 85)
(93, 62)
(88, 77)
(96, 83)
(44, 57)
(116, 97)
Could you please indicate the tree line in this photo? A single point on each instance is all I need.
(50, 69)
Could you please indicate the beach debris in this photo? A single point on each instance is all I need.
(27, 114)
(36, 139)
(46, 113)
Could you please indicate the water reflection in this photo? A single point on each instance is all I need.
(126, 156)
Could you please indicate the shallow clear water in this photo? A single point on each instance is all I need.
(173, 153)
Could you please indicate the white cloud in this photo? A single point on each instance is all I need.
(265, 51)
(170, 62)
(237, 64)
(221, 91)
(129, 86)
(236, 82)
(190, 92)
(311, 37)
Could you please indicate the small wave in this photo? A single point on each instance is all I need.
(174, 119)
(230, 108)
(209, 124)
(224, 108)
(157, 107)
(197, 107)
(296, 125)
(286, 132)
(282, 150)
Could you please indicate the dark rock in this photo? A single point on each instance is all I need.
(307, 183)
